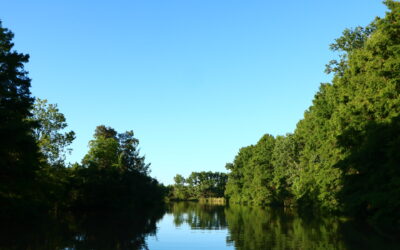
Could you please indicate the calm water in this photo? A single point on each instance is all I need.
(197, 226)
(184, 225)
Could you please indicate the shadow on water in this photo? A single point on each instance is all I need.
(250, 228)
(100, 231)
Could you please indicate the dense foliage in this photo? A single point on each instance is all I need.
(19, 157)
(113, 175)
(198, 185)
(50, 137)
(33, 174)
(344, 153)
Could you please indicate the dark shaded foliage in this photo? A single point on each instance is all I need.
(113, 176)
(86, 231)
(19, 157)
(371, 180)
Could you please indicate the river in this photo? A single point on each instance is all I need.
(202, 226)
(191, 226)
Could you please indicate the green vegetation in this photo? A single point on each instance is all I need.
(34, 178)
(50, 138)
(113, 176)
(343, 155)
(19, 157)
(198, 185)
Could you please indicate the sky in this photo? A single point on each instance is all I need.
(196, 80)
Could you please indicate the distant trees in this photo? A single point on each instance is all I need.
(199, 185)
(341, 157)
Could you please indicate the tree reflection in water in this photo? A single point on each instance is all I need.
(254, 228)
(246, 228)
(100, 231)
(198, 215)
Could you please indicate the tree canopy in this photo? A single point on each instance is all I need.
(341, 156)
(18, 150)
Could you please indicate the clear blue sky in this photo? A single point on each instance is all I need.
(195, 79)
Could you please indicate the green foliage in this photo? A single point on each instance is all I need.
(285, 160)
(250, 180)
(110, 149)
(33, 176)
(51, 139)
(198, 185)
(343, 155)
(113, 176)
(18, 150)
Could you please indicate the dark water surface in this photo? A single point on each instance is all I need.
(189, 225)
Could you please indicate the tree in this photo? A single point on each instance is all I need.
(51, 139)
(112, 149)
(18, 150)
(103, 149)
(285, 159)
(234, 187)
(129, 156)
(113, 176)
(179, 189)
(341, 156)
(199, 185)
(369, 138)
(250, 180)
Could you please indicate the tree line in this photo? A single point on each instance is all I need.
(342, 157)
(34, 176)
(198, 185)
(344, 154)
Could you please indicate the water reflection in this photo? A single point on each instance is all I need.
(254, 228)
(189, 225)
(86, 232)
(257, 228)
(198, 216)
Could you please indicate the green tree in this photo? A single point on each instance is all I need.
(234, 186)
(18, 150)
(341, 156)
(285, 159)
(113, 177)
(250, 180)
(179, 189)
(50, 136)
(110, 149)
(103, 149)
(370, 123)
(199, 185)
(129, 156)
(207, 184)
